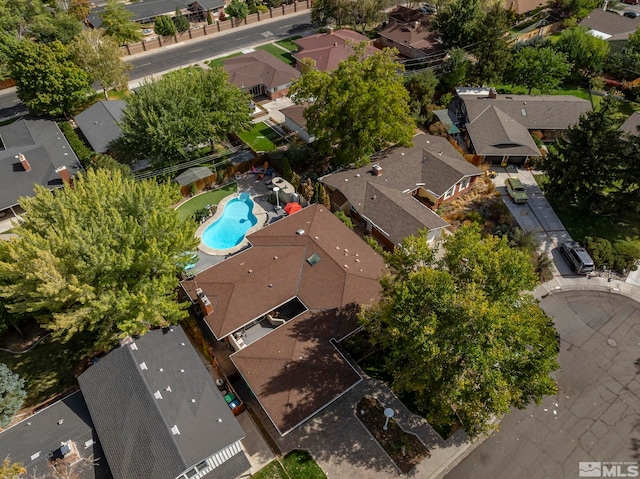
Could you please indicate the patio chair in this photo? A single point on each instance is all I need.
(275, 322)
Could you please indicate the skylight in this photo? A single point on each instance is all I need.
(313, 259)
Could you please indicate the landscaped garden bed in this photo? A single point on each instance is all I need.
(189, 207)
(295, 465)
(404, 449)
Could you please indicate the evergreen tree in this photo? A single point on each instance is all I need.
(491, 48)
(164, 26)
(181, 22)
(11, 395)
(118, 23)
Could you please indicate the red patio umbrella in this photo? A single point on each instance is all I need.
(291, 208)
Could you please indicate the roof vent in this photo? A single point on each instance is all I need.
(523, 111)
(134, 346)
(161, 370)
(300, 232)
(175, 431)
(89, 443)
(182, 370)
(193, 400)
(143, 366)
(157, 395)
(126, 340)
(60, 421)
(168, 389)
(357, 175)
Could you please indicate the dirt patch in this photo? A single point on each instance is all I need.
(14, 341)
(405, 449)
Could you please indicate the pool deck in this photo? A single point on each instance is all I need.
(259, 193)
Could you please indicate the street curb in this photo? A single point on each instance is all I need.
(588, 283)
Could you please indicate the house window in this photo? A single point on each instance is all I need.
(464, 184)
(450, 192)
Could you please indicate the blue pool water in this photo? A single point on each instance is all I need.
(229, 230)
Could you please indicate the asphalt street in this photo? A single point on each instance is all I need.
(595, 415)
(187, 53)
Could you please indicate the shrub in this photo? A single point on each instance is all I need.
(344, 218)
(263, 8)
(371, 241)
(164, 26)
(475, 217)
(82, 151)
(601, 251)
(626, 255)
(181, 22)
(287, 173)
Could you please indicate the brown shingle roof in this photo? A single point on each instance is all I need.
(415, 33)
(295, 371)
(523, 6)
(296, 114)
(259, 68)
(329, 49)
(254, 282)
(611, 23)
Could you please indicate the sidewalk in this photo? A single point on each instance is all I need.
(588, 283)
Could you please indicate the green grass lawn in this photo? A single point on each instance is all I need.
(564, 90)
(185, 210)
(583, 224)
(297, 465)
(47, 369)
(625, 108)
(218, 61)
(278, 53)
(260, 137)
(288, 43)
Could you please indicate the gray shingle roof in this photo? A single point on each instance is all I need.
(631, 125)
(43, 433)
(134, 425)
(45, 148)
(493, 132)
(543, 112)
(611, 23)
(98, 123)
(402, 168)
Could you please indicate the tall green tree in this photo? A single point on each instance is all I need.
(237, 9)
(325, 12)
(100, 258)
(459, 23)
(584, 167)
(359, 108)
(47, 79)
(455, 69)
(422, 88)
(491, 48)
(462, 336)
(587, 53)
(99, 55)
(166, 118)
(181, 22)
(11, 394)
(541, 68)
(164, 26)
(118, 23)
(368, 12)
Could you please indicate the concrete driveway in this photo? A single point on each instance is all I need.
(535, 215)
(596, 414)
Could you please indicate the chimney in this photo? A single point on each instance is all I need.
(205, 305)
(492, 93)
(335, 44)
(64, 174)
(416, 24)
(329, 30)
(24, 162)
(376, 170)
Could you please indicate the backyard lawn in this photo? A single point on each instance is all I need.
(260, 137)
(297, 465)
(564, 90)
(47, 369)
(188, 208)
(278, 53)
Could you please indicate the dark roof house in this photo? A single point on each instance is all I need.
(148, 409)
(33, 152)
(99, 123)
(260, 73)
(610, 25)
(306, 275)
(37, 440)
(395, 197)
(329, 49)
(499, 126)
(159, 415)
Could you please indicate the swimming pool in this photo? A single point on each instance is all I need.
(229, 230)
